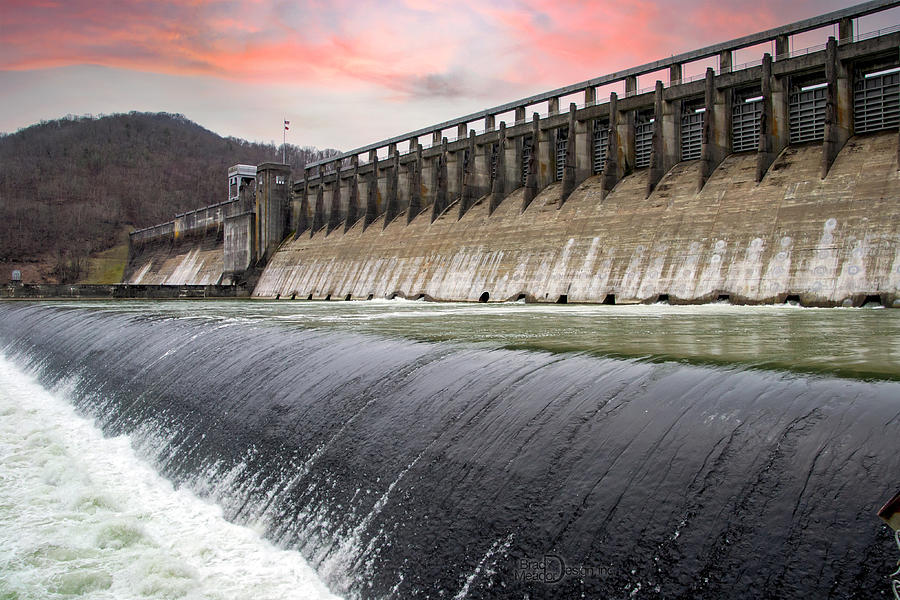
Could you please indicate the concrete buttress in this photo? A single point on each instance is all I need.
(838, 107)
(392, 208)
(415, 186)
(334, 215)
(569, 179)
(353, 199)
(319, 214)
(532, 178)
(498, 183)
(611, 170)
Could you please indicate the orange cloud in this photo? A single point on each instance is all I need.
(408, 48)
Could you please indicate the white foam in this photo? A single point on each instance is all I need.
(81, 515)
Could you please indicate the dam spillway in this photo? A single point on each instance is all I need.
(417, 466)
(761, 182)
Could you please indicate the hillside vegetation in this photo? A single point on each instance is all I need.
(71, 188)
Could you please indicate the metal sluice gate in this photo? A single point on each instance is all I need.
(876, 102)
(562, 144)
(601, 146)
(745, 125)
(527, 147)
(876, 106)
(806, 112)
(691, 135)
(495, 155)
(643, 141)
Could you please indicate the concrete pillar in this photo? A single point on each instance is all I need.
(767, 142)
(413, 144)
(675, 75)
(353, 200)
(838, 107)
(489, 123)
(845, 30)
(483, 181)
(569, 179)
(434, 176)
(657, 160)
(302, 221)
(553, 106)
(294, 193)
(436, 138)
(782, 47)
(546, 157)
(334, 217)
(513, 164)
(467, 193)
(671, 128)
(725, 61)
(584, 149)
(372, 191)
(427, 167)
(625, 147)
(392, 203)
(415, 187)
(454, 177)
(256, 228)
(611, 170)
(715, 144)
(531, 181)
(498, 187)
(630, 85)
(520, 115)
(440, 182)
(403, 176)
(462, 131)
(780, 126)
(282, 174)
(590, 96)
(319, 214)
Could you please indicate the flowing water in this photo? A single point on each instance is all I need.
(395, 449)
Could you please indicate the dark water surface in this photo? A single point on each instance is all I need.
(411, 449)
(851, 342)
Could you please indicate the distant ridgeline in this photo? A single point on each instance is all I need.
(759, 183)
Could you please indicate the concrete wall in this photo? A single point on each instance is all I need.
(830, 241)
(273, 207)
(430, 220)
(49, 291)
(195, 259)
(187, 250)
(239, 243)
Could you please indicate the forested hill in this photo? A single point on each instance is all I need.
(70, 188)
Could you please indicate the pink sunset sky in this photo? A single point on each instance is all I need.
(345, 73)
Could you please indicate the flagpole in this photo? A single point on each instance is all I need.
(283, 141)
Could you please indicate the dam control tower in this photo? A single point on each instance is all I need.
(239, 176)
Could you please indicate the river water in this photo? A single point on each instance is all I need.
(396, 449)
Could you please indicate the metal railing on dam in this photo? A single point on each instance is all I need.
(795, 96)
(724, 51)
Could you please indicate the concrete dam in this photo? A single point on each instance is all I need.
(760, 182)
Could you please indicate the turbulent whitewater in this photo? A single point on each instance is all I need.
(81, 515)
(406, 466)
